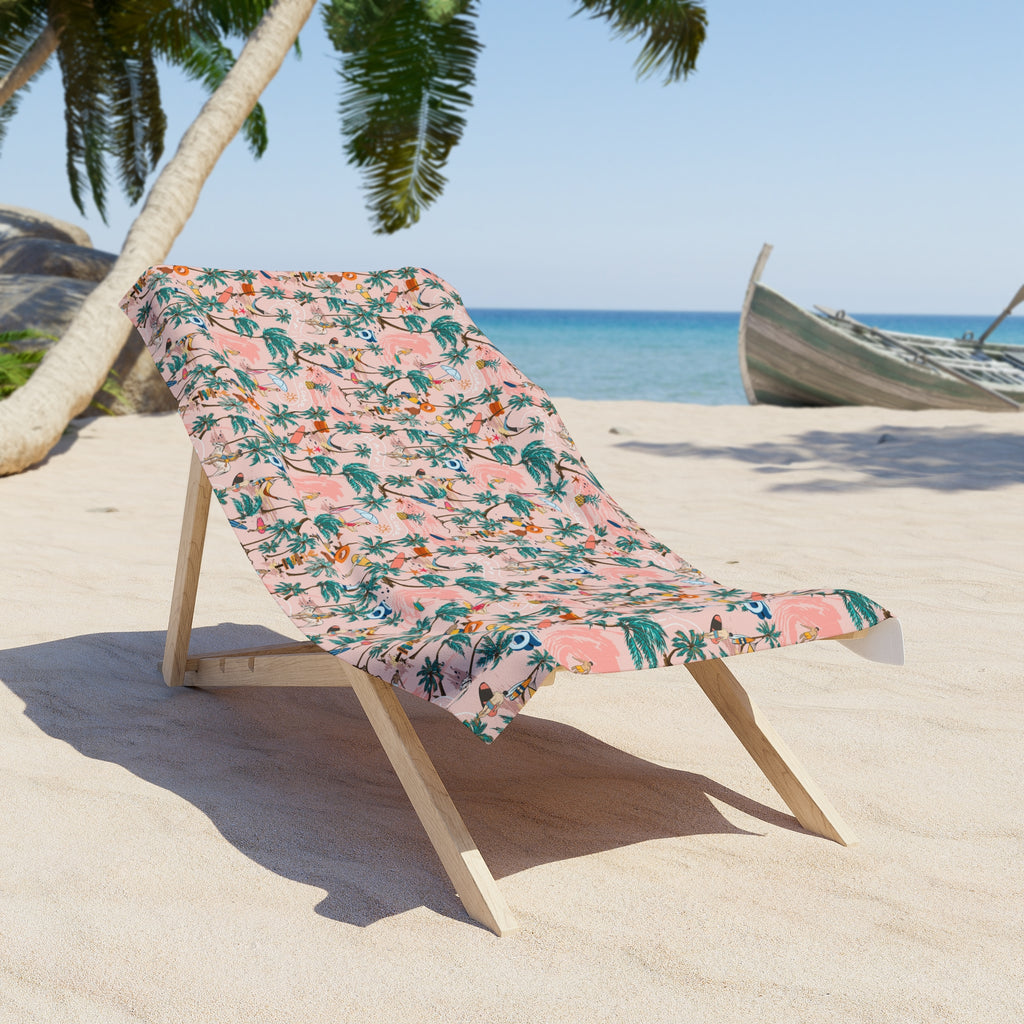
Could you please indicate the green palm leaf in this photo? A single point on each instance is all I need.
(137, 121)
(331, 590)
(82, 49)
(407, 69)
(361, 477)
(645, 640)
(673, 31)
(247, 505)
(431, 676)
(107, 53)
(278, 342)
(538, 460)
(21, 24)
(447, 330)
(862, 610)
(323, 465)
(519, 505)
(486, 588)
(419, 380)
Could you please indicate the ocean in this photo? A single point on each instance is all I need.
(662, 357)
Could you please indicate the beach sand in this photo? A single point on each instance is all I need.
(246, 855)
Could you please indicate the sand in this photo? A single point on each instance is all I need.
(246, 855)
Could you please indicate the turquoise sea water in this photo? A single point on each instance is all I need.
(661, 357)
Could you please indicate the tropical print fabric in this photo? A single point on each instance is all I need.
(415, 504)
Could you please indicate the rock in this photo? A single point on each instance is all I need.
(39, 302)
(28, 255)
(17, 222)
(49, 304)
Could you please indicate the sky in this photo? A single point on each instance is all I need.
(877, 146)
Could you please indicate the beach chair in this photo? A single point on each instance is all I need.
(418, 509)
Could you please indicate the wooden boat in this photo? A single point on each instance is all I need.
(790, 356)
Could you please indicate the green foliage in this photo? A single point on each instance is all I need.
(486, 588)
(458, 641)
(538, 460)
(431, 676)
(673, 31)
(361, 477)
(492, 646)
(768, 631)
(278, 341)
(407, 70)
(645, 639)
(519, 505)
(108, 52)
(419, 380)
(861, 609)
(16, 365)
(20, 26)
(408, 67)
(451, 611)
(247, 505)
(331, 590)
(690, 644)
(447, 330)
(323, 465)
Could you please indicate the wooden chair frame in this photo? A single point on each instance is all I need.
(306, 664)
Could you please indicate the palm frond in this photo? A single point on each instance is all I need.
(137, 121)
(191, 37)
(862, 610)
(645, 640)
(235, 17)
(81, 51)
(406, 86)
(673, 31)
(354, 25)
(444, 10)
(7, 111)
(21, 25)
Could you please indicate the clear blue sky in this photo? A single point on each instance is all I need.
(878, 145)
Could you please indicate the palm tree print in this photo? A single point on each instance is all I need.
(415, 503)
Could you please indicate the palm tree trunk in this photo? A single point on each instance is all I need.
(33, 418)
(31, 61)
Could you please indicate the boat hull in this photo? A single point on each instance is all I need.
(792, 357)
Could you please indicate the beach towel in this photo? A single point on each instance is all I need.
(416, 505)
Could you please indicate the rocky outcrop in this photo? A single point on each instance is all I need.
(26, 255)
(39, 302)
(16, 222)
(47, 268)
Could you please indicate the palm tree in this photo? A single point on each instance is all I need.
(401, 109)
(107, 54)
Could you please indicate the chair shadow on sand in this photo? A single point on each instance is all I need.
(297, 781)
(937, 458)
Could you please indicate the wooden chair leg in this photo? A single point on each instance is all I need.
(471, 877)
(809, 805)
(186, 575)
